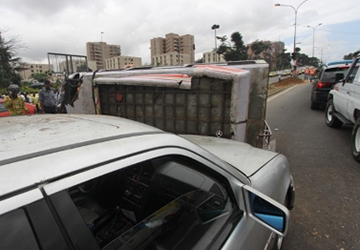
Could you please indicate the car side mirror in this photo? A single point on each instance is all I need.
(267, 211)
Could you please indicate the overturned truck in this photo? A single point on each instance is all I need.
(225, 100)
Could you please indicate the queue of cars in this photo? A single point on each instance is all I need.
(337, 88)
(104, 182)
(343, 106)
(324, 82)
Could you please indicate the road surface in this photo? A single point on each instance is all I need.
(327, 178)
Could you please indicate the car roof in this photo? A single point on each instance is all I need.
(340, 65)
(36, 149)
(340, 62)
(31, 134)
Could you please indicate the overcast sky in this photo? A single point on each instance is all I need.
(65, 26)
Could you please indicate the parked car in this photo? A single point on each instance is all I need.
(324, 82)
(5, 112)
(104, 182)
(343, 106)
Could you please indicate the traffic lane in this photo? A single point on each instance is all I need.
(326, 176)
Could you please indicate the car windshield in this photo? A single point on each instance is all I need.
(329, 74)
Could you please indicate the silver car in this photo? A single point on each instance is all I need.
(102, 182)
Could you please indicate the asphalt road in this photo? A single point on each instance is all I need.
(327, 179)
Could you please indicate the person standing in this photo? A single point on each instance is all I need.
(279, 72)
(312, 73)
(14, 103)
(306, 74)
(47, 99)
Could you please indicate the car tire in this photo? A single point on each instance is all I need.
(355, 141)
(330, 119)
(278, 242)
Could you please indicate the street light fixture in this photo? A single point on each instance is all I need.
(215, 27)
(296, 10)
(313, 36)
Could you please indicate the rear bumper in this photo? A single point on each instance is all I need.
(320, 96)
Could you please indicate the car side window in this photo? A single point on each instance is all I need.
(16, 231)
(357, 76)
(352, 75)
(160, 203)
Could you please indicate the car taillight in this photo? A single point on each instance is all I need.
(321, 85)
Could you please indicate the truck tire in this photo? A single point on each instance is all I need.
(355, 140)
(330, 119)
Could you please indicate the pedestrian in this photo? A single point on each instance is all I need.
(14, 103)
(47, 99)
(312, 73)
(306, 73)
(279, 72)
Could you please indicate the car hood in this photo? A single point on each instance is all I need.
(242, 156)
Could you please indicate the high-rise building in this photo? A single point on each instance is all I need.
(172, 50)
(99, 51)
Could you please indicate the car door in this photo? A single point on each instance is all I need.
(346, 91)
(165, 199)
(354, 94)
(26, 222)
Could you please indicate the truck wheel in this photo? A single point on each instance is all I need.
(355, 140)
(331, 120)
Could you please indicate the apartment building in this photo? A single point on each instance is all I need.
(173, 49)
(212, 57)
(119, 62)
(171, 58)
(29, 69)
(100, 51)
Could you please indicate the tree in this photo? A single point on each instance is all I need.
(9, 63)
(352, 55)
(259, 49)
(304, 60)
(201, 60)
(235, 52)
(40, 77)
(283, 60)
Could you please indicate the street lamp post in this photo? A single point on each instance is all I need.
(215, 27)
(296, 10)
(313, 28)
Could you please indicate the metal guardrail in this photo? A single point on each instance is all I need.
(265, 137)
